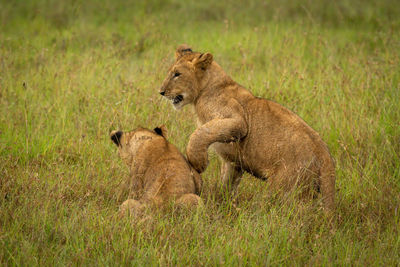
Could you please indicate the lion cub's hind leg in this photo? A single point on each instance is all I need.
(131, 207)
(189, 201)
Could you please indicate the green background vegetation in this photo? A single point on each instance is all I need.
(72, 71)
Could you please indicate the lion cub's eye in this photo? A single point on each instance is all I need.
(176, 74)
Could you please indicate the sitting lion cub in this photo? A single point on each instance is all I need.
(249, 133)
(159, 172)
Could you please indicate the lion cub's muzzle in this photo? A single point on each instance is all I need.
(174, 99)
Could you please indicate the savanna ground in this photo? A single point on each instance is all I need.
(72, 71)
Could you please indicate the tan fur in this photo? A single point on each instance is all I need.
(159, 172)
(249, 133)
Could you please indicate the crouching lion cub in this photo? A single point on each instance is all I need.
(159, 172)
(249, 133)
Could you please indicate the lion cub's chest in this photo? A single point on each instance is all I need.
(205, 112)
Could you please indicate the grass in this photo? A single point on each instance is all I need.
(72, 71)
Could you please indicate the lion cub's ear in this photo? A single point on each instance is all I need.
(116, 137)
(203, 61)
(182, 50)
(161, 130)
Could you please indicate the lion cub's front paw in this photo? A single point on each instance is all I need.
(198, 162)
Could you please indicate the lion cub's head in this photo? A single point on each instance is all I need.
(183, 81)
(129, 143)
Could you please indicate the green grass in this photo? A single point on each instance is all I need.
(72, 71)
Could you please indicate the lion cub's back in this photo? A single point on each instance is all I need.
(171, 174)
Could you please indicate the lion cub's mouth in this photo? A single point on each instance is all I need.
(177, 99)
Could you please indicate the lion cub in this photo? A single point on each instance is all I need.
(249, 133)
(159, 172)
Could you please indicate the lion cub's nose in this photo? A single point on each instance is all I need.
(162, 93)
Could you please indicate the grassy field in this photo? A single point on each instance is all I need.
(72, 71)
